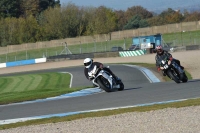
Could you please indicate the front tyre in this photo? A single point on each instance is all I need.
(172, 76)
(121, 86)
(104, 84)
(184, 78)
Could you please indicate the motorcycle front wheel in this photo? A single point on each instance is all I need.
(121, 86)
(172, 76)
(184, 78)
(104, 84)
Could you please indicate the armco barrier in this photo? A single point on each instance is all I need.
(97, 55)
(82, 56)
(70, 57)
(131, 53)
(23, 62)
(106, 54)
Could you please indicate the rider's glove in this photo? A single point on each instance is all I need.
(101, 66)
(158, 68)
(169, 62)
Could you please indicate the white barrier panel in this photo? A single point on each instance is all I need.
(131, 53)
(23, 62)
(2, 65)
(40, 60)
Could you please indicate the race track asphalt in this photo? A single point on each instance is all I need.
(138, 90)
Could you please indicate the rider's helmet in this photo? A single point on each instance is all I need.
(88, 62)
(159, 49)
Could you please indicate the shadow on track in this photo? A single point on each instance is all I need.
(132, 89)
(128, 89)
(197, 80)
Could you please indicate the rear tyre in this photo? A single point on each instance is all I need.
(104, 84)
(173, 77)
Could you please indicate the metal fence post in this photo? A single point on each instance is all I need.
(46, 49)
(124, 43)
(94, 45)
(106, 45)
(80, 47)
(6, 57)
(182, 38)
(26, 52)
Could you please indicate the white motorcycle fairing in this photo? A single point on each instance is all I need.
(103, 73)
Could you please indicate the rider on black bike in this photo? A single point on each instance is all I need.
(161, 55)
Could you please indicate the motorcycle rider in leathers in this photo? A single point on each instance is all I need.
(161, 54)
(89, 64)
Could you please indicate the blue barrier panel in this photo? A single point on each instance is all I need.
(20, 63)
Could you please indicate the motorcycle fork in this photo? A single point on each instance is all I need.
(93, 81)
(107, 76)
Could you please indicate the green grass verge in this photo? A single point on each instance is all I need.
(34, 86)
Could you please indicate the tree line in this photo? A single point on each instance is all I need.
(25, 21)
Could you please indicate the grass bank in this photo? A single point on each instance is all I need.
(34, 86)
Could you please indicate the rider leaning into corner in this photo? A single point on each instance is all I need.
(162, 54)
(89, 64)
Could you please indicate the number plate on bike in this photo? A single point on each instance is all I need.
(166, 66)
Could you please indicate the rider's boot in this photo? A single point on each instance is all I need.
(164, 74)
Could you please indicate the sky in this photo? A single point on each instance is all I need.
(150, 5)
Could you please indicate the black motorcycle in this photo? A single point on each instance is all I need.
(174, 71)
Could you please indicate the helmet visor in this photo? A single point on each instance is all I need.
(159, 50)
(88, 63)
